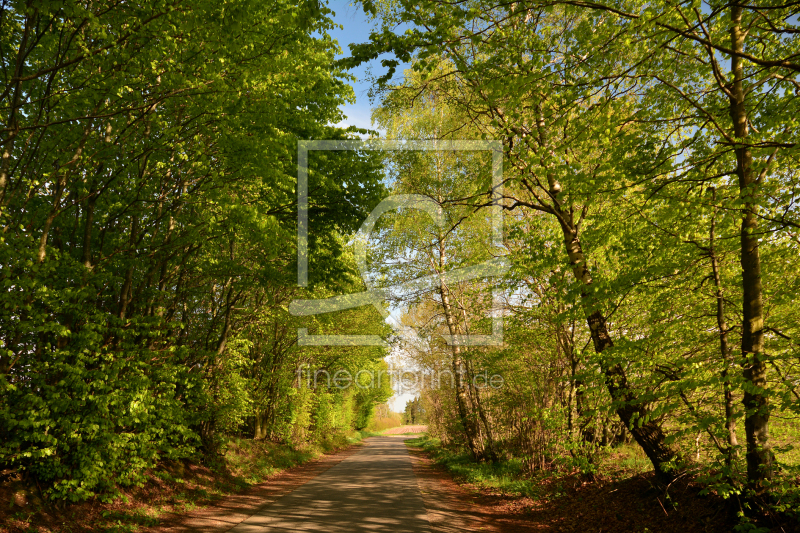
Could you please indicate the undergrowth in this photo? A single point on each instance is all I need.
(506, 477)
(623, 470)
(175, 487)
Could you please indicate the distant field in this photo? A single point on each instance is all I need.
(406, 429)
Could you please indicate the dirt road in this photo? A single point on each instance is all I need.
(374, 490)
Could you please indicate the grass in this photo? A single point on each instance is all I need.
(785, 436)
(358, 436)
(506, 477)
(251, 462)
(511, 478)
(625, 460)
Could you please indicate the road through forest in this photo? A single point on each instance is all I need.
(382, 486)
(374, 490)
(379, 486)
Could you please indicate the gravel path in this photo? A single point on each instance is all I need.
(377, 487)
(223, 515)
(373, 490)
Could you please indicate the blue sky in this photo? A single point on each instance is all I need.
(356, 29)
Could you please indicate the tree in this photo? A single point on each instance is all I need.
(547, 133)
(147, 200)
(602, 101)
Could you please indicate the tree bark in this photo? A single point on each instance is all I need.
(490, 451)
(724, 346)
(756, 402)
(633, 413)
(459, 373)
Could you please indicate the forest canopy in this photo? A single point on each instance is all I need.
(148, 212)
(650, 186)
(651, 227)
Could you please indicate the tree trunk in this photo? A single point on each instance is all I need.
(724, 346)
(260, 432)
(756, 423)
(636, 417)
(490, 451)
(459, 373)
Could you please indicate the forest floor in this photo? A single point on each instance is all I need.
(457, 496)
(249, 472)
(568, 503)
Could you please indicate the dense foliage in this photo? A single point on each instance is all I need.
(651, 187)
(147, 205)
(651, 178)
